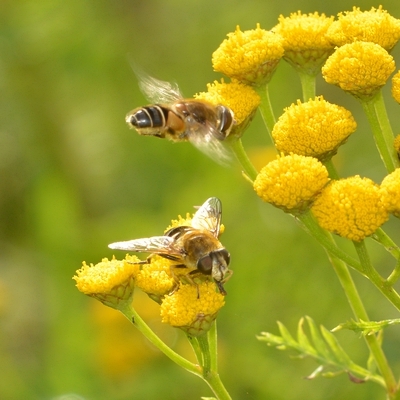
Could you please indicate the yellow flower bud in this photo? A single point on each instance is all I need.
(360, 68)
(304, 40)
(316, 128)
(291, 182)
(390, 188)
(110, 281)
(376, 26)
(250, 56)
(351, 208)
(192, 308)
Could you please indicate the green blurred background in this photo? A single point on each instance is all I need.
(74, 178)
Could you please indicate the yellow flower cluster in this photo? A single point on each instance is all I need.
(390, 188)
(192, 308)
(195, 302)
(110, 281)
(351, 208)
(242, 99)
(396, 87)
(376, 26)
(155, 278)
(250, 56)
(316, 128)
(304, 40)
(291, 182)
(360, 68)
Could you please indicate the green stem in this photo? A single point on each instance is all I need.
(385, 240)
(307, 85)
(395, 275)
(212, 340)
(331, 169)
(357, 306)
(241, 155)
(360, 313)
(208, 345)
(376, 113)
(326, 240)
(369, 271)
(207, 362)
(376, 349)
(134, 317)
(265, 108)
(205, 351)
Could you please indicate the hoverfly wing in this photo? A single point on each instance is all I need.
(155, 244)
(208, 216)
(156, 90)
(204, 138)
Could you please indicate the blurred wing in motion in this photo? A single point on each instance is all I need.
(156, 90)
(208, 216)
(162, 245)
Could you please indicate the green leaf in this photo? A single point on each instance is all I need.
(321, 345)
(366, 327)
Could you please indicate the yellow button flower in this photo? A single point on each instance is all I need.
(304, 40)
(316, 128)
(390, 188)
(376, 26)
(396, 87)
(250, 56)
(110, 281)
(156, 278)
(351, 208)
(291, 182)
(192, 308)
(360, 68)
(243, 100)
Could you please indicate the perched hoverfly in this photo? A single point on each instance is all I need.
(173, 117)
(195, 246)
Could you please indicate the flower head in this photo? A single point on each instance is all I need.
(156, 278)
(110, 281)
(396, 86)
(304, 40)
(250, 56)
(360, 68)
(390, 188)
(243, 100)
(351, 208)
(316, 128)
(376, 26)
(291, 182)
(192, 308)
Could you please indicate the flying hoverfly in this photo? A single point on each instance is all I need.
(173, 117)
(195, 246)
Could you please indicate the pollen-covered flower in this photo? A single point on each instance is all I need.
(396, 87)
(360, 68)
(315, 128)
(390, 188)
(250, 56)
(351, 208)
(376, 26)
(304, 40)
(291, 182)
(110, 281)
(192, 308)
(242, 99)
(156, 278)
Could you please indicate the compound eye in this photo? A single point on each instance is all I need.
(204, 265)
(225, 255)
